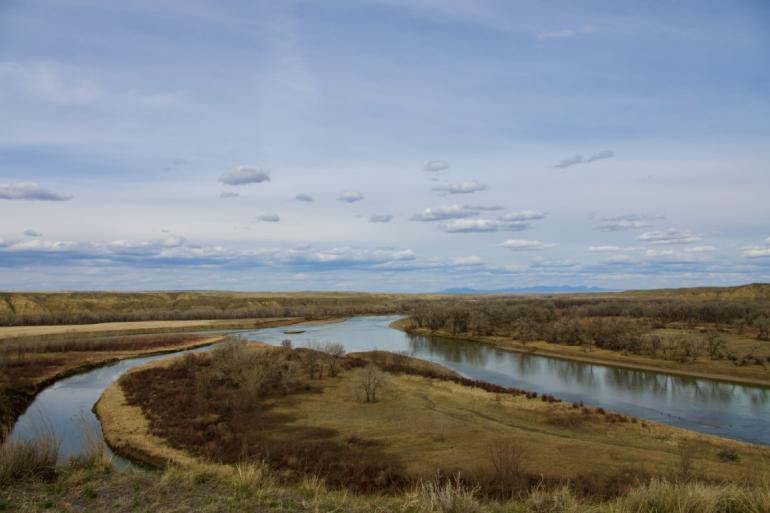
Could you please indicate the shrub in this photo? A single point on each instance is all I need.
(560, 500)
(24, 459)
(728, 454)
(448, 496)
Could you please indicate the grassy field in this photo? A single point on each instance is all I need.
(498, 440)
(251, 488)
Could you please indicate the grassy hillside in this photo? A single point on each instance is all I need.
(22, 308)
(741, 292)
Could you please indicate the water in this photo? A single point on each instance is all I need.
(734, 411)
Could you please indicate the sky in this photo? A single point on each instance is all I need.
(383, 145)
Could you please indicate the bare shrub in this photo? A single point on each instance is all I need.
(335, 352)
(506, 464)
(686, 451)
(448, 496)
(370, 380)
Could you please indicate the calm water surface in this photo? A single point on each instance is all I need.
(735, 411)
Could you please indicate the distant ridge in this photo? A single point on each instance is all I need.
(544, 289)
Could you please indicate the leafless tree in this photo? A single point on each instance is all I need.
(335, 352)
(370, 381)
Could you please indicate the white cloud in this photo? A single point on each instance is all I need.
(228, 194)
(350, 196)
(580, 159)
(243, 175)
(460, 188)
(300, 277)
(604, 249)
(436, 165)
(670, 236)
(700, 249)
(467, 260)
(29, 191)
(380, 218)
(525, 245)
(303, 197)
(525, 215)
(655, 253)
(471, 225)
(754, 252)
(32, 233)
(627, 222)
(269, 218)
(484, 207)
(446, 212)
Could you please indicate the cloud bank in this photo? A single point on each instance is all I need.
(30, 191)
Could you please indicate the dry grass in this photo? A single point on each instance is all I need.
(448, 496)
(195, 489)
(33, 458)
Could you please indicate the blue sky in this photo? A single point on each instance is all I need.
(383, 144)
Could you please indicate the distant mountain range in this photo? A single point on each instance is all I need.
(546, 289)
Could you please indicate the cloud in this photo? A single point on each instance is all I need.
(756, 252)
(29, 191)
(524, 215)
(670, 236)
(470, 226)
(268, 218)
(580, 159)
(445, 212)
(460, 188)
(350, 196)
(380, 218)
(627, 222)
(525, 245)
(604, 249)
(174, 251)
(467, 260)
(484, 207)
(483, 225)
(436, 165)
(228, 194)
(300, 277)
(304, 197)
(243, 175)
(700, 249)
(32, 233)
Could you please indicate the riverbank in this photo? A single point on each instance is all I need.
(19, 391)
(717, 371)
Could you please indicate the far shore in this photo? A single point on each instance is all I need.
(567, 353)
